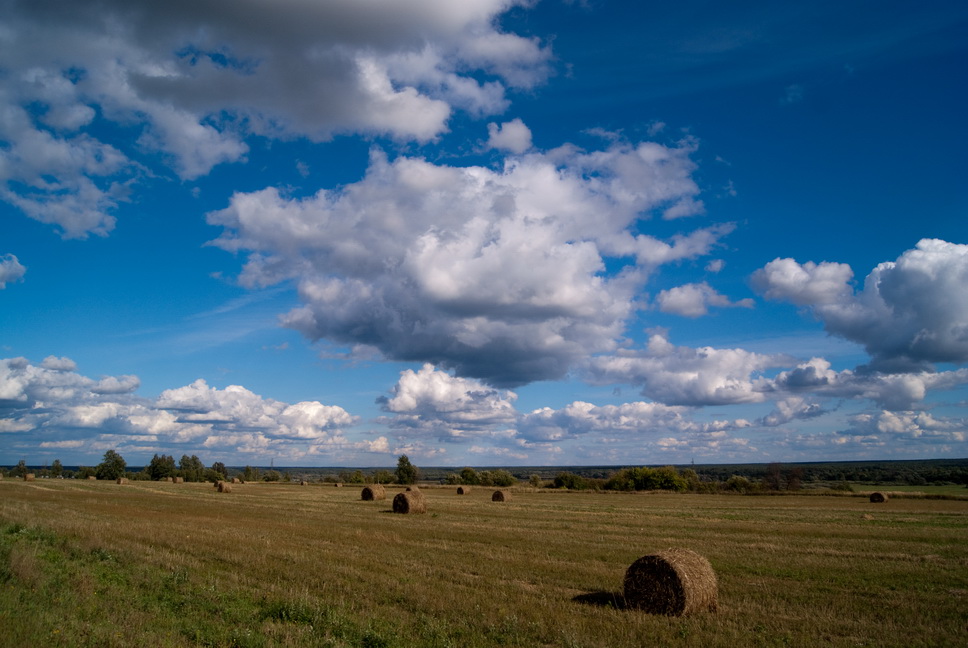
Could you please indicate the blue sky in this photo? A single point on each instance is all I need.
(483, 233)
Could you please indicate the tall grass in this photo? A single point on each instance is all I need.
(97, 564)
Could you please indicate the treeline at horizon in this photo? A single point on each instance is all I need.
(772, 476)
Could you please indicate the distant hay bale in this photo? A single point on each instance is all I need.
(29, 477)
(92, 477)
(224, 487)
(501, 496)
(122, 480)
(878, 497)
(410, 501)
(169, 479)
(338, 485)
(463, 490)
(303, 482)
(673, 582)
(179, 480)
(236, 480)
(374, 492)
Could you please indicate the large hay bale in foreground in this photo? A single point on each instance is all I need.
(463, 490)
(374, 492)
(29, 477)
(501, 496)
(224, 487)
(673, 582)
(878, 497)
(122, 480)
(410, 501)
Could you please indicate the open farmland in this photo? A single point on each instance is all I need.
(160, 564)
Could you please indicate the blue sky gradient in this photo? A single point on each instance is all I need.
(485, 233)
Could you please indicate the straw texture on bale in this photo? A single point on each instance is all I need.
(179, 480)
(673, 582)
(411, 501)
(122, 480)
(878, 497)
(463, 490)
(217, 483)
(374, 492)
(224, 487)
(29, 477)
(501, 496)
(236, 480)
(92, 477)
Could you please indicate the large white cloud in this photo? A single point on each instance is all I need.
(192, 80)
(686, 376)
(499, 275)
(61, 408)
(910, 314)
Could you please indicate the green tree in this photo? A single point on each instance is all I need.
(250, 474)
(191, 468)
(111, 467)
(383, 477)
(503, 478)
(271, 476)
(57, 469)
(220, 468)
(536, 481)
(161, 467)
(20, 470)
(469, 476)
(407, 473)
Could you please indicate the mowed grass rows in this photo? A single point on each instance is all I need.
(159, 564)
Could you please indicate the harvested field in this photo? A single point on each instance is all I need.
(314, 567)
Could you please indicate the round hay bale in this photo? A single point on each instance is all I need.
(236, 480)
(501, 496)
(179, 480)
(878, 497)
(29, 477)
(673, 582)
(373, 492)
(92, 477)
(338, 485)
(169, 479)
(463, 490)
(217, 482)
(303, 482)
(122, 480)
(410, 502)
(224, 487)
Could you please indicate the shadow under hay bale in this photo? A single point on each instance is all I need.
(501, 496)
(373, 492)
(224, 487)
(411, 501)
(673, 582)
(878, 497)
(463, 490)
(602, 599)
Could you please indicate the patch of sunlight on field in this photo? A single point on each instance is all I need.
(101, 564)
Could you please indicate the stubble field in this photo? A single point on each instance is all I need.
(160, 564)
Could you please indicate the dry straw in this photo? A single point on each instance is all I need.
(179, 480)
(92, 477)
(463, 490)
(410, 501)
(878, 497)
(303, 482)
(501, 496)
(169, 479)
(224, 487)
(29, 477)
(338, 485)
(673, 582)
(236, 480)
(122, 480)
(374, 492)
